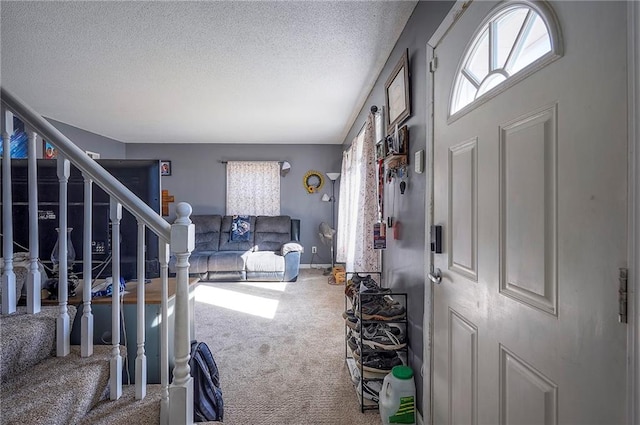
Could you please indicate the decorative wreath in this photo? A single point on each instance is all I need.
(313, 181)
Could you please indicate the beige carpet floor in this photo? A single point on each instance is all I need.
(280, 350)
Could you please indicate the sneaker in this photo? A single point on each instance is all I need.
(354, 371)
(370, 390)
(381, 335)
(378, 309)
(350, 319)
(379, 361)
(352, 343)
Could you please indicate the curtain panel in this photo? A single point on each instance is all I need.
(358, 208)
(253, 188)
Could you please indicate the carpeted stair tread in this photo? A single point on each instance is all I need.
(58, 390)
(17, 352)
(127, 410)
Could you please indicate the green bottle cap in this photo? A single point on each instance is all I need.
(402, 372)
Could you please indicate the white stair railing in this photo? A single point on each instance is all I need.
(63, 329)
(33, 278)
(141, 357)
(115, 213)
(8, 275)
(179, 238)
(86, 324)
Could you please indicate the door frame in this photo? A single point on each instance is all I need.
(633, 255)
(633, 64)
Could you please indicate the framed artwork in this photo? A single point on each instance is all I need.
(165, 168)
(19, 142)
(396, 93)
(48, 150)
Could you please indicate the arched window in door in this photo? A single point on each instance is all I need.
(517, 39)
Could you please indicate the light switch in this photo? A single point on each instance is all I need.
(419, 162)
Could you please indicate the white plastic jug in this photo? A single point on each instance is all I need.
(398, 397)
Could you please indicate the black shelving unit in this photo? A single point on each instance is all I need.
(353, 303)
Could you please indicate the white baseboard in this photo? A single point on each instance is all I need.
(315, 266)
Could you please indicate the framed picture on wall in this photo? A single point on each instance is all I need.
(165, 168)
(48, 150)
(396, 93)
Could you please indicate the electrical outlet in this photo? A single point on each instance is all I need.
(314, 249)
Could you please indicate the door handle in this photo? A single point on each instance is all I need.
(435, 276)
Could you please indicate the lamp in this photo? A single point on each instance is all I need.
(333, 177)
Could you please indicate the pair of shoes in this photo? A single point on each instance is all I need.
(379, 308)
(384, 336)
(379, 361)
(370, 390)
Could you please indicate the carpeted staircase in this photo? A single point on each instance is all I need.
(39, 388)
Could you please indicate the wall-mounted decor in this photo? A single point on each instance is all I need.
(165, 168)
(166, 200)
(48, 150)
(313, 181)
(92, 155)
(19, 143)
(396, 93)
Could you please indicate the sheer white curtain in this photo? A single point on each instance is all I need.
(253, 188)
(357, 212)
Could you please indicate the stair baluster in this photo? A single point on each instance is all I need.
(141, 358)
(115, 214)
(8, 275)
(34, 278)
(86, 324)
(63, 330)
(163, 257)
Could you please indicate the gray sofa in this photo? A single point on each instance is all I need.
(270, 253)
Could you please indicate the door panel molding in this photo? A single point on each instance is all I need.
(462, 220)
(525, 392)
(528, 209)
(463, 370)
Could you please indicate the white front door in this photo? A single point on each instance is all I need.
(531, 190)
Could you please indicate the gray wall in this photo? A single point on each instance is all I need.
(198, 177)
(403, 260)
(106, 147)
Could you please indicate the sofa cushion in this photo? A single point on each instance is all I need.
(207, 232)
(272, 232)
(228, 261)
(265, 261)
(226, 244)
(198, 262)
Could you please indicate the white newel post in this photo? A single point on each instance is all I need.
(115, 213)
(63, 335)
(164, 333)
(141, 358)
(34, 278)
(181, 389)
(86, 324)
(8, 275)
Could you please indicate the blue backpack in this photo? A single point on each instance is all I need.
(207, 395)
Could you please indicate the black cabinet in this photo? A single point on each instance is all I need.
(142, 177)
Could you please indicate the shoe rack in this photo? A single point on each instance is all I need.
(360, 372)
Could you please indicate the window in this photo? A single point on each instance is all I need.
(253, 188)
(515, 41)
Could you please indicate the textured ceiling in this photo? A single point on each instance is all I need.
(200, 72)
